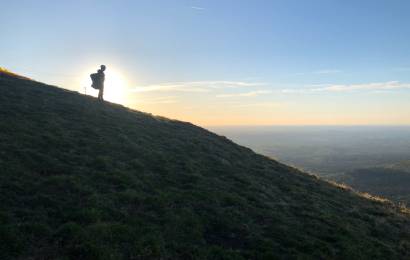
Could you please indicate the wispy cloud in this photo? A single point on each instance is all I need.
(327, 71)
(198, 8)
(295, 91)
(159, 100)
(259, 104)
(194, 86)
(226, 84)
(390, 85)
(169, 87)
(376, 86)
(245, 94)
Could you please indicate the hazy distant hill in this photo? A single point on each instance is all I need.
(84, 180)
(401, 166)
(347, 154)
(327, 150)
(390, 181)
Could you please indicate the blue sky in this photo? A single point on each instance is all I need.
(225, 62)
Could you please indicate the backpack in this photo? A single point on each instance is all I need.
(94, 79)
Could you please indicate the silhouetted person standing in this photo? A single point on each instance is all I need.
(100, 82)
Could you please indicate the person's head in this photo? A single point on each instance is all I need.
(102, 67)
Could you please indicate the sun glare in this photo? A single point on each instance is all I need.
(115, 86)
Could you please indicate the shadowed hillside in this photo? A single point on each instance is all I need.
(84, 180)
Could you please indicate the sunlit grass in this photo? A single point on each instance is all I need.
(8, 72)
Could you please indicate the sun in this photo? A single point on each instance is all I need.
(115, 86)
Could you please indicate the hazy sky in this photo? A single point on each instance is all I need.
(219, 62)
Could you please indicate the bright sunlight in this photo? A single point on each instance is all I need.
(115, 86)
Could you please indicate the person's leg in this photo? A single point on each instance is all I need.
(102, 93)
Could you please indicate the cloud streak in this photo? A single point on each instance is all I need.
(390, 85)
(194, 86)
(249, 103)
(159, 100)
(198, 8)
(327, 71)
(245, 94)
(169, 88)
(376, 86)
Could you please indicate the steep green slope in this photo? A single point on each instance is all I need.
(84, 180)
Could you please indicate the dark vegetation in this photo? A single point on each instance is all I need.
(84, 180)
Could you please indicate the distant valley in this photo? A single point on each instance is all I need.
(374, 159)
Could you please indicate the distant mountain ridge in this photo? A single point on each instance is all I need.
(402, 166)
(82, 179)
(390, 181)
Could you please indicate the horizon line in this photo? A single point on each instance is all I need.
(314, 125)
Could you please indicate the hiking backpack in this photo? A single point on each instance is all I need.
(94, 79)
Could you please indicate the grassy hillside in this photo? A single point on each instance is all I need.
(81, 179)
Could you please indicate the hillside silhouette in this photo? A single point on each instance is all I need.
(81, 179)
